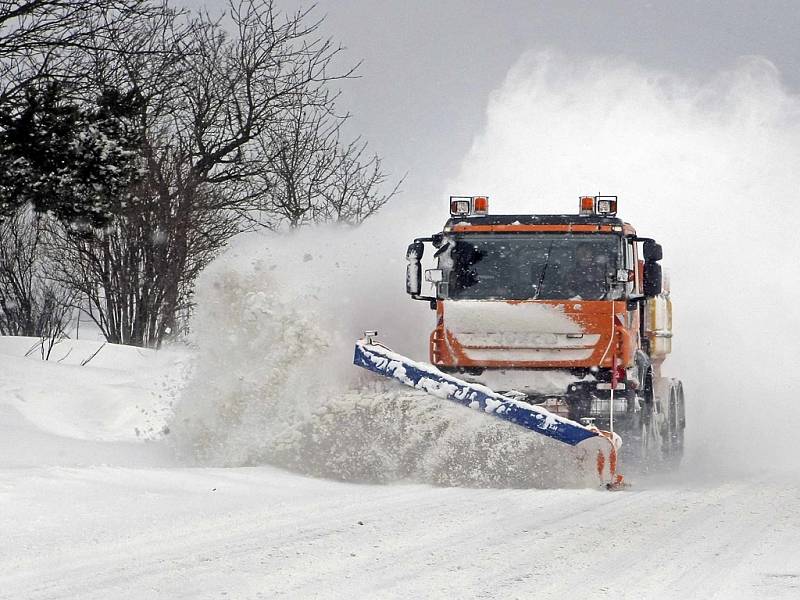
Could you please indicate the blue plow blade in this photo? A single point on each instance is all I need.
(421, 376)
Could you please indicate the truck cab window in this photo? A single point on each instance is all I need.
(534, 267)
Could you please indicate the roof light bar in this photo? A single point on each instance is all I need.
(605, 206)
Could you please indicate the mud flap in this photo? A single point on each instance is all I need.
(593, 445)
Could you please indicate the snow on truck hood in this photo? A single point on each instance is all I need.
(489, 316)
(519, 331)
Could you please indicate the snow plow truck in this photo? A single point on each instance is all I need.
(558, 323)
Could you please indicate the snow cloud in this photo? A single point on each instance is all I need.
(709, 168)
(274, 383)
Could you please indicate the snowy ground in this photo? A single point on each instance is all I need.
(95, 504)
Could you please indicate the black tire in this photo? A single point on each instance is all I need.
(673, 427)
(643, 441)
(652, 432)
(679, 430)
(653, 441)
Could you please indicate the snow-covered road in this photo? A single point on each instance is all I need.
(110, 532)
(93, 505)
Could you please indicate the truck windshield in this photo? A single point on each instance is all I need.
(543, 266)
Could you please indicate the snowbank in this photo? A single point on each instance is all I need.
(62, 412)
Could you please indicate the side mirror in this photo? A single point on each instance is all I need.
(652, 251)
(414, 268)
(652, 279)
(415, 251)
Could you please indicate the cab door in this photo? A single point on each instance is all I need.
(633, 289)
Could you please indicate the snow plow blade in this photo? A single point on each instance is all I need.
(599, 446)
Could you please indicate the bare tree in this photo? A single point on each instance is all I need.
(310, 176)
(206, 102)
(355, 190)
(234, 115)
(41, 39)
(20, 252)
(55, 310)
(126, 271)
(31, 302)
(299, 160)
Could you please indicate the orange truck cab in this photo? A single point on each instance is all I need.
(570, 312)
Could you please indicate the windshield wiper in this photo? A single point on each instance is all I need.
(544, 271)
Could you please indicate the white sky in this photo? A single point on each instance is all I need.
(429, 66)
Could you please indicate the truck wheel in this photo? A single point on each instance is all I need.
(666, 414)
(673, 432)
(645, 440)
(677, 422)
(652, 426)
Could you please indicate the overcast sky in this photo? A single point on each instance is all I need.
(429, 66)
